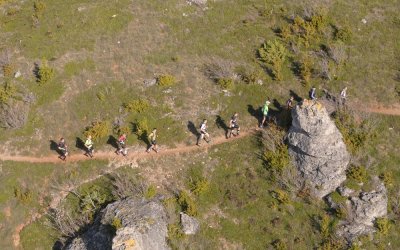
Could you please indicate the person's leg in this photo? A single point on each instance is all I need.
(207, 137)
(263, 120)
(155, 147)
(200, 138)
(237, 130)
(230, 130)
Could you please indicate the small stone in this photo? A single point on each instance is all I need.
(17, 74)
(363, 21)
(150, 82)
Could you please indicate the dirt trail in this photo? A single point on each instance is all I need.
(132, 155)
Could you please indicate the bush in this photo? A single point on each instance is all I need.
(277, 160)
(6, 92)
(187, 204)
(150, 192)
(337, 198)
(281, 196)
(119, 130)
(305, 67)
(175, 232)
(274, 53)
(382, 224)
(39, 7)
(279, 244)
(341, 212)
(23, 196)
(141, 127)
(319, 21)
(98, 129)
(355, 134)
(116, 223)
(344, 34)
(357, 173)
(45, 73)
(387, 178)
(331, 244)
(8, 69)
(137, 106)
(92, 199)
(225, 83)
(325, 226)
(166, 80)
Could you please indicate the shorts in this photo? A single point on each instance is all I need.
(235, 126)
(153, 142)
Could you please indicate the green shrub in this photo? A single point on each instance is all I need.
(101, 96)
(175, 232)
(344, 34)
(387, 178)
(337, 198)
(332, 244)
(137, 106)
(357, 173)
(39, 7)
(150, 192)
(325, 226)
(274, 53)
(45, 73)
(119, 130)
(281, 196)
(8, 69)
(355, 134)
(279, 244)
(277, 160)
(92, 199)
(341, 212)
(141, 127)
(166, 80)
(187, 204)
(98, 129)
(23, 196)
(225, 83)
(6, 92)
(12, 10)
(116, 223)
(305, 67)
(319, 21)
(382, 224)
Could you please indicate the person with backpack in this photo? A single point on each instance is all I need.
(312, 94)
(203, 133)
(122, 145)
(89, 146)
(289, 103)
(233, 124)
(265, 113)
(63, 149)
(152, 139)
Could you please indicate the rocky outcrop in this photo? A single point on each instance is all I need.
(190, 225)
(317, 148)
(138, 224)
(362, 212)
(197, 2)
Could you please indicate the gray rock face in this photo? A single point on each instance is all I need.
(362, 212)
(317, 148)
(190, 225)
(143, 226)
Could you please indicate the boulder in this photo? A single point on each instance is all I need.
(190, 225)
(317, 148)
(362, 212)
(141, 225)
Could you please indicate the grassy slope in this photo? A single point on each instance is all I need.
(180, 45)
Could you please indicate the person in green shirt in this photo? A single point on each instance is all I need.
(152, 139)
(265, 113)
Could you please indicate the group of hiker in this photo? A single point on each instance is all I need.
(233, 129)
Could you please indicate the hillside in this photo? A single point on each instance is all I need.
(103, 68)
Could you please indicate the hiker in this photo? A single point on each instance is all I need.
(203, 133)
(89, 146)
(63, 149)
(233, 124)
(343, 95)
(312, 94)
(152, 139)
(122, 145)
(265, 113)
(289, 103)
